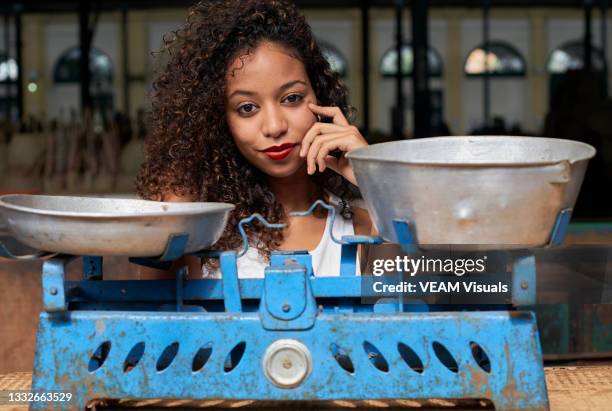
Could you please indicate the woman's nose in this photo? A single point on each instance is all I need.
(275, 123)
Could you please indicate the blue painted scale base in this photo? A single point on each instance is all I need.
(217, 339)
(515, 379)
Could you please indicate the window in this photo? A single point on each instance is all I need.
(570, 56)
(335, 58)
(501, 60)
(388, 63)
(8, 69)
(8, 98)
(67, 68)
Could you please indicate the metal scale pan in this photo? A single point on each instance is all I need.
(481, 192)
(111, 226)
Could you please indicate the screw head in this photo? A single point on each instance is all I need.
(524, 285)
(286, 308)
(53, 291)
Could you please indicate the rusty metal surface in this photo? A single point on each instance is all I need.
(511, 377)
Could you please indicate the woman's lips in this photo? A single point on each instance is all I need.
(278, 153)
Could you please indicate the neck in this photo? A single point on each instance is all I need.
(296, 192)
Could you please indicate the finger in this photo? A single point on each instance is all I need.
(333, 163)
(315, 147)
(310, 135)
(335, 113)
(344, 141)
(316, 130)
(327, 147)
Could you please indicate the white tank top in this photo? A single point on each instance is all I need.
(325, 256)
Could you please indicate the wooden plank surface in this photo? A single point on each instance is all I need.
(579, 388)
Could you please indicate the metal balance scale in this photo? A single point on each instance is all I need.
(293, 336)
(289, 336)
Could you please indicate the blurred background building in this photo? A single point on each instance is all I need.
(77, 124)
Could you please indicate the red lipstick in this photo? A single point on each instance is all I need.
(279, 152)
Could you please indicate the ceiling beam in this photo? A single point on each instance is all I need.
(63, 6)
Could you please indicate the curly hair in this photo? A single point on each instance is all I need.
(189, 150)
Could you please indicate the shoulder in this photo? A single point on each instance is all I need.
(362, 223)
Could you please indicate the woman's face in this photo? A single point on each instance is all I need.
(268, 92)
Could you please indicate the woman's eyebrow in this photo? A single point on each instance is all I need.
(281, 88)
(291, 84)
(243, 92)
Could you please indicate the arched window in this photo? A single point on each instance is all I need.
(501, 60)
(8, 69)
(8, 75)
(334, 57)
(570, 56)
(67, 68)
(388, 63)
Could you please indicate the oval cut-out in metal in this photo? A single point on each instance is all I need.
(134, 357)
(99, 356)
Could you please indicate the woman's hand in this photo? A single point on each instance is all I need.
(324, 138)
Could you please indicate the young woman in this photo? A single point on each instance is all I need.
(247, 111)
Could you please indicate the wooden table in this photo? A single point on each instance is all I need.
(574, 388)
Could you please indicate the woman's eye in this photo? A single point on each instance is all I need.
(246, 109)
(294, 98)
